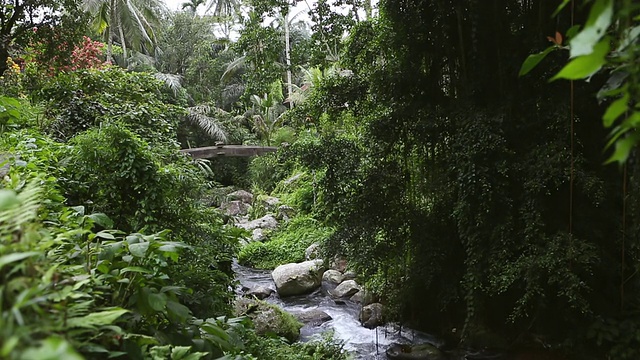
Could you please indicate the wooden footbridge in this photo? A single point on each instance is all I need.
(228, 150)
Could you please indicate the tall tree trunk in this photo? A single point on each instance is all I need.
(123, 43)
(288, 57)
(112, 4)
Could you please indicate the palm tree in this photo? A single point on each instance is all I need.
(267, 111)
(132, 22)
(192, 5)
(224, 8)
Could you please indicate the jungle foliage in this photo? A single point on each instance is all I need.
(471, 198)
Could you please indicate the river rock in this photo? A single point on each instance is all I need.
(414, 352)
(332, 276)
(265, 222)
(285, 212)
(298, 278)
(371, 315)
(339, 264)
(260, 292)
(349, 275)
(5, 165)
(258, 235)
(268, 318)
(312, 252)
(313, 317)
(267, 202)
(345, 289)
(241, 195)
(235, 208)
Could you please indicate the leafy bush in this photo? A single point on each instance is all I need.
(67, 289)
(80, 100)
(265, 172)
(287, 245)
(117, 173)
(299, 190)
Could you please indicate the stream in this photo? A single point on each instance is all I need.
(362, 343)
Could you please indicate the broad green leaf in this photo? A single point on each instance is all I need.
(195, 356)
(571, 33)
(92, 320)
(8, 259)
(52, 348)
(139, 249)
(8, 346)
(78, 209)
(178, 311)
(102, 220)
(629, 37)
(106, 235)
(599, 20)
(616, 109)
(136, 269)
(157, 301)
(585, 66)
(612, 86)
(623, 149)
(533, 60)
(8, 199)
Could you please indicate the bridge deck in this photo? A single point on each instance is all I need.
(228, 150)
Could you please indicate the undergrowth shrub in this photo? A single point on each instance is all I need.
(287, 244)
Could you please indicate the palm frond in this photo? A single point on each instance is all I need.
(26, 210)
(198, 115)
(172, 81)
(233, 68)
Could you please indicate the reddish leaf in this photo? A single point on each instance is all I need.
(558, 38)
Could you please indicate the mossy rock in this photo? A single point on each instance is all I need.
(268, 318)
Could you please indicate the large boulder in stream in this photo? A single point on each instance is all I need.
(241, 195)
(332, 276)
(268, 318)
(345, 289)
(371, 315)
(260, 292)
(235, 208)
(313, 317)
(265, 222)
(298, 278)
(414, 352)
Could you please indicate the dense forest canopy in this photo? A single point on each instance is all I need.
(474, 160)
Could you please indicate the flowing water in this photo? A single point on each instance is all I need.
(363, 343)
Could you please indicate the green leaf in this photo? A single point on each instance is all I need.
(599, 20)
(157, 301)
(612, 86)
(139, 249)
(571, 33)
(623, 149)
(136, 269)
(8, 259)
(53, 348)
(533, 60)
(92, 320)
(178, 311)
(102, 220)
(560, 7)
(628, 37)
(8, 199)
(8, 346)
(106, 235)
(616, 109)
(585, 66)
